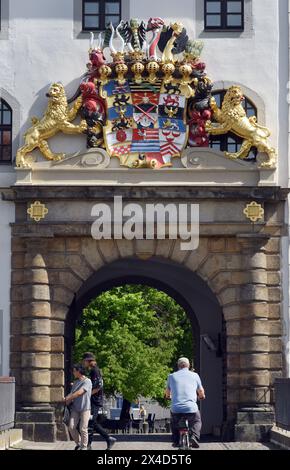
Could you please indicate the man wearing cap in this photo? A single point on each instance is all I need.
(89, 361)
(183, 387)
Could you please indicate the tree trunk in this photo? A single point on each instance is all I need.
(125, 412)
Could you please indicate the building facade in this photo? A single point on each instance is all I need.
(234, 286)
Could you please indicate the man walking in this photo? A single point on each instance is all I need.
(80, 401)
(95, 375)
(183, 387)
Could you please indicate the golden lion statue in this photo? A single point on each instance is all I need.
(57, 118)
(232, 118)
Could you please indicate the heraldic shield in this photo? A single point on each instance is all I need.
(146, 122)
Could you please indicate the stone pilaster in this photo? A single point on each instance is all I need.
(35, 416)
(255, 415)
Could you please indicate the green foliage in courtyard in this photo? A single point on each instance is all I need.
(137, 333)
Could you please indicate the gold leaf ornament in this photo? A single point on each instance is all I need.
(254, 212)
(37, 211)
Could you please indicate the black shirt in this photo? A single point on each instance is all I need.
(97, 382)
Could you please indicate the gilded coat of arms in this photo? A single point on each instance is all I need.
(147, 103)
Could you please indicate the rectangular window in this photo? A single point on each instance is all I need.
(97, 14)
(224, 15)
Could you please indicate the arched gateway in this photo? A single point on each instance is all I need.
(139, 112)
(233, 274)
(192, 293)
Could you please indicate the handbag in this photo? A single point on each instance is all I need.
(66, 415)
(67, 409)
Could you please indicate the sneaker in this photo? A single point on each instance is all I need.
(83, 448)
(89, 447)
(77, 447)
(111, 442)
(175, 444)
(194, 443)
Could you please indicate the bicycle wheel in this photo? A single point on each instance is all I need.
(186, 443)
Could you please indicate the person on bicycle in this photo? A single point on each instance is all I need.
(184, 387)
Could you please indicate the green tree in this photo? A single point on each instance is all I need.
(137, 333)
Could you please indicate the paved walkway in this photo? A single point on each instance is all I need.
(145, 443)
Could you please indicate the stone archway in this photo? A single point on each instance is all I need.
(238, 262)
(51, 271)
(192, 293)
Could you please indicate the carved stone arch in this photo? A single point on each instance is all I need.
(226, 284)
(15, 106)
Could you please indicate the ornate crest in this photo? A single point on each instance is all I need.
(147, 104)
(146, 124)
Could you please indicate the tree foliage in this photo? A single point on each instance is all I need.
(137, 333)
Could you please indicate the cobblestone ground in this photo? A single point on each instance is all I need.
(141, 442)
